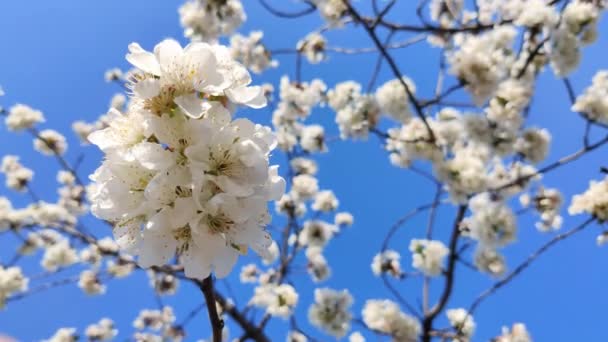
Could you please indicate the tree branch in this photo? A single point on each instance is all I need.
(217, 324)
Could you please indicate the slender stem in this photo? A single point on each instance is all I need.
(217, 324)
(449, 277)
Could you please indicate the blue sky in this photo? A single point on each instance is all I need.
(54, 57)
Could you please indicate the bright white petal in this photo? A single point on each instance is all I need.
(168, 52)
(192, 105)
(249, 96)
(147, 88)
(142, 59)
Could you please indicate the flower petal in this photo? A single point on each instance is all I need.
(142, 59)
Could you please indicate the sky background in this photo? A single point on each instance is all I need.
(55, 54)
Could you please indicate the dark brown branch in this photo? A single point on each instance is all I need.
(289, 15)
(427, 323)
(251, 331)
(391, 62)
(217, 324)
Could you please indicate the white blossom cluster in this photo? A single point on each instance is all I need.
(593, 103)
(594, 201)
(277, 300)
(17, 176)
(517, 333)
(428, 256)
(12, 281)
(577, 28)
(394, 100)
(102, 331)
(207, 20)
(21, 117)
(356, 112)
(385, 316)
(179, 174)
(251, 52)
(64, 335)
(313, 47)
(446, 12)
(482, 61)
(330, 311)
(462, 322)
(157, 325)
(547, 203)
(388, 261)
(297, 99)
(331, 11)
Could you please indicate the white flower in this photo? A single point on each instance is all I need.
(122, 267)
(343, 94)
(302, 165)
(389, 262)
(325, 201)
(163, 283)
(463, 322)
(112, 74)
(102, 331)
(313, 47)
(493, 223)
(356, 337)
(489, 260)
(445, 11)
(594, 201)
(533, 144)
(59, 255)
(298, 99)
(184, 77)
(208, 19)
(304, 186)
(465, 174)
(295, 336)
(394, 100)
(593, 103)
(83, 130)
(578, 27)
(331, 10)
(278, 300)
(249, 273)
(12, 281)
(428, 255)
(412, 141)
(154, 319)
(90, 283)
(272, 254)
(288, 205)
(547, 203)
(50, 142)
(482, 61)
(356, 119)
(518, 333)
(317, 265)
(386, 317)
(312, 138)
(17, 176)
(179, 175)
(602, 239)
(531, 13)
(250, 51)
(330, 311)
(343, 219)
(64, 335)
(21, 117)
(316, 233)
